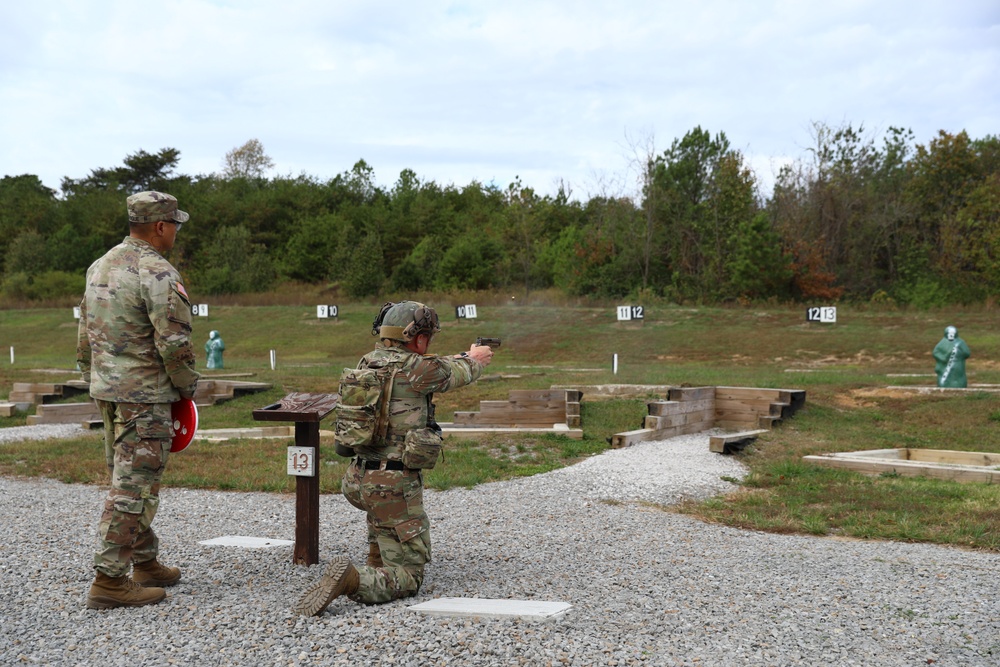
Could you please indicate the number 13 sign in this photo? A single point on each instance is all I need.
(302, 461)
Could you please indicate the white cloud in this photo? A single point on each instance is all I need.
(462, 91)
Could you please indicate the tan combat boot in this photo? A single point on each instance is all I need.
(339, 578)
(374, 555)
(110, 592)
(151, 573)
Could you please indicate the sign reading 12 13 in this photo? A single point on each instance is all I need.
(826, 314)
(626, 313)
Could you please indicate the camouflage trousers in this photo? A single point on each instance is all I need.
(393, 500)
(137, 440)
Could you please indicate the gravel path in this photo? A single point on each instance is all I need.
(647, 587)
(40, 432)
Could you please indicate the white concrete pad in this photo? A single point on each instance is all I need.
(942, 390)
(531, 610)
(246, 542)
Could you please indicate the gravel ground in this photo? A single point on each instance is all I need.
(647, 587)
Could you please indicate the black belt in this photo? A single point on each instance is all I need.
(369, 464)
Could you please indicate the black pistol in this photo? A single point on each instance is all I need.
(489, 342)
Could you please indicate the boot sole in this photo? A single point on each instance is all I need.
(101, 602)
(323, 592)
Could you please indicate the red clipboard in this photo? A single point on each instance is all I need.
(185, 421)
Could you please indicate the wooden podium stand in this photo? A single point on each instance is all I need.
(306, 410)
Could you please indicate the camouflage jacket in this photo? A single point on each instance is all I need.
(417, 378)
(134, 338)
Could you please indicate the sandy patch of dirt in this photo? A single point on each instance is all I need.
(861, 398)
(863, 357)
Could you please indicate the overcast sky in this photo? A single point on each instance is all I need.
(460, 91)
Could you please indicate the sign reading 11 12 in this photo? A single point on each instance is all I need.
(628, 313)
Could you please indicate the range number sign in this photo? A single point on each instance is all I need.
(825, 314)
(628, 313)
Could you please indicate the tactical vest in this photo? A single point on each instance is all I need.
(370, 421)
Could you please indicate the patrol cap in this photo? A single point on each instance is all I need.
(153, 206)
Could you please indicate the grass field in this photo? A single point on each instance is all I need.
(844, 368)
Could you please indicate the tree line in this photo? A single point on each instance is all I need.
(858, 217)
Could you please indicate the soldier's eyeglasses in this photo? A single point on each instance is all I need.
(174, 222)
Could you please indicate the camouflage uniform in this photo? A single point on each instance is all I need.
(134, 346)
(393, 499)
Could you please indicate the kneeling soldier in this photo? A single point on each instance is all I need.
(385, 478)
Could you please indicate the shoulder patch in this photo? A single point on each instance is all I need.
(180, 288)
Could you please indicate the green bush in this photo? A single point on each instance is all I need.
(44, 286)
(924, 293)
(235, 265)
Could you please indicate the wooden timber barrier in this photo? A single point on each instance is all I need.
(527, 408)
(696, 409)
(957, 466)
(24, 394)
(209, 392)
(85, 413)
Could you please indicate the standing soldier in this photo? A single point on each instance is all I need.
(385, 478)
(134, 347)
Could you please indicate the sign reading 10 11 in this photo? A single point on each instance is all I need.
(825, 314)
(466, 312)
(628, 313)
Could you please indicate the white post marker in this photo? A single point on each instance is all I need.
(11, 354)
(274, 359)
(76, 312)
(614, 363)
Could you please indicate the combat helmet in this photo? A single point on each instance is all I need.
(405, 320)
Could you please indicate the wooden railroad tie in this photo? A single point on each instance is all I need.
(744, 410)
(730, 443)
